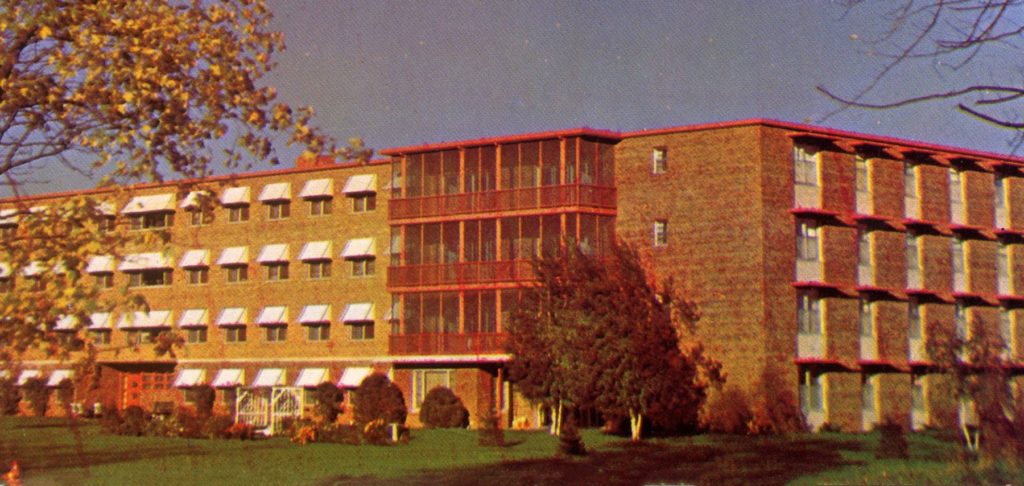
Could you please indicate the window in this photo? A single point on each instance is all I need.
(151, 221)
(958, 256)
(955, 186)
(805, 166)
(319, 269)
(661, 233)
(960, 321)
(1003, 263)
(913, 256)
(808, 314)
(363, 267)
(142, 337)
(917, 396)
(105, 224)
(100, 337)
(318, 332)
(277, 271)
(812, 396)
(910, 181)
(238, 273)
(149, 278)
(863, 176)
(914, 320)
(199, 217)
(8, 232)
(319, 207)
(198, 276)
(868, 394)
(864, 248)
(234, 334)
(364, 203)
(1000, 182)
(238, 214)
(196, 335)
(276, 334)
(867, 325)
(1006, 329)
(277, 210)
(807, 240)
(426, 380)
(659, 160)
(104, 280)
(362, 331)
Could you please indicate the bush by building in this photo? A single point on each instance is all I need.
(328, 397)
(37, 394)
(10, 396)
(377, 399)
(442, 409)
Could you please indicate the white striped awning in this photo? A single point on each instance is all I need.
(360, 312)
(189, 377)
(228, 378)
(34, 268)
(273, 253)
(66, 323)
(360, 184)
(100, 320)
(234, 196)
(100, 264)
(270, 315)
(315, 314)
(359, 248)
(315, 250)
(232, 316)
(145, 320)
(311, 377)
(27, 375)
(317, 188)
(149, 204)
(268, 377)
(135, 262)
(279, 191)
(352, 377)
(195, 258)
(235, 255)
(58, 376)
(194, 318)
(193, 199)
(8, 217)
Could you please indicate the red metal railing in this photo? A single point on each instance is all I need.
(504, 200)
(460, 273)
(439, 343)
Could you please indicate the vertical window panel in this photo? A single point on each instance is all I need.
(551, 160)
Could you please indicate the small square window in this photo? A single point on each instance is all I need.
(234, 334)
(319, 269)
(104, 280)
(660, 233)
(196, 335)
(659, 160)
(319, 207)
(106, 224)
(363, 267)
(149, 278)
(362, 331)
(364, 203)
(277, 210)
(100, 337)
(317, 333)
(237, 273)
(276, 334)
(238, 214)
(198, 276)
(199, 217)
(277, 271)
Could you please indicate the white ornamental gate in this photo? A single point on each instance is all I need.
(266, 408)
(251, 407)
(285, 402)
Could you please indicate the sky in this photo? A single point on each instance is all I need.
(406, 73)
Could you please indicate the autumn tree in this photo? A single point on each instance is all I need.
(600, 332)
(125, 90)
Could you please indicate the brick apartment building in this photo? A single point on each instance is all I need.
(817, 257)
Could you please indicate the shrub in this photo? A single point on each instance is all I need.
(340, 434)
(133, 421)
(66, 393)
(727, 412)
(775, 410)
(9, 397)
(37, 394)
(204, 396)
(442, 409)
(378, 399)
(491, 434)
(570, 442)
(328, 397)
(893, 442)
(241, 431)
(216, 427)
(377, 432)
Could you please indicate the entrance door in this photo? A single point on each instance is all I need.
(131, 390)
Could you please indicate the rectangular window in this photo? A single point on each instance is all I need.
(319, 207)
(277, 271)
(864, 248)
(318, 270)
(1000, 183)
(910, 181)
(659, 160)
(955, 186)
(913, 256)
(198, 276)
(805, 166)
(917, 403)
(234, 334)
(660, 233)
(809, 314)
(104, 280)
(276, 334)
(958, 256)
(364, 203)
(106, 224)
(867, 324)
(914, 320)
(807, 240)
(100, 336)
(426, 380)
(1006, 329)
(317, 333)
(863, 176)
(151, 221)
(149, 278)
(868, 394)
(363, 267)
(362, 331)
(812, 393)
(237, 273)
(960, 321)
(1003, 262)
(238, 214)
(199, 217)
(196, 335)
(277, 210)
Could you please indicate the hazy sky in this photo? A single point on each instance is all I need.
(402, 73)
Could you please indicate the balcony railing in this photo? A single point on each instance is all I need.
(439, 343)
(460, 273)
(504, 200)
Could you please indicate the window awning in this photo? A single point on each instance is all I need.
(100, 320)
(149, 204)
(273, 253)
(315, 250)
(228, 378)
(317, 188)
(268, 377)
(193, 199)
(66, 323)
(27, 375)
(58, 376)
(232, 316)
(194, 318)
(100, 264)
(33, 269)
(235, 196)
(135, 262)
(189, 377)
(361, 312)
(359, 248)
(312, 377)
(352, 377)
(315, 314)
(280, 191)
(360, 184)
(8, 217)
(145, 320)
(195, 258)
(277, 314)
(235, 255)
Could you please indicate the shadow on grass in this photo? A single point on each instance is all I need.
(730, 460)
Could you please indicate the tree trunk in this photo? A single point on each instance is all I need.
(636, 422)
(558, 419)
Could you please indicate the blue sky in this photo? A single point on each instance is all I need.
(403, 73)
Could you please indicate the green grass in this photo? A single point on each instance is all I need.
(52, 452)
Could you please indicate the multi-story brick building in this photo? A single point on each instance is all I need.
(817, 256)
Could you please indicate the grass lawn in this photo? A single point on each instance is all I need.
(52, 452)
